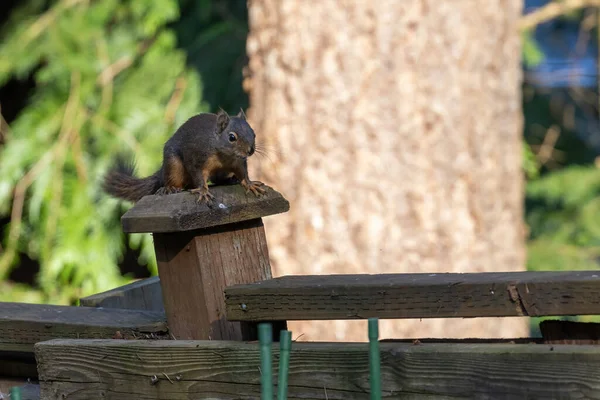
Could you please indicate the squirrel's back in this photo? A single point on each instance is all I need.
(200, 125)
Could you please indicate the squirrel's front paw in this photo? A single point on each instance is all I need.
(254, 187)
(204, 196)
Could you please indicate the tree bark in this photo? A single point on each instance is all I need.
(394, 130)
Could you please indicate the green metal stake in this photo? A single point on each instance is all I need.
(374, 359)
(285, 345)
(265, 337)
(15, 393)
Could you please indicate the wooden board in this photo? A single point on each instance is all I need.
(22, 325)
(145, 294)
(116, 370)
(181, 212)
(195, 267)
(416, 296)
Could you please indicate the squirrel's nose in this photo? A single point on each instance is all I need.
(251, 150)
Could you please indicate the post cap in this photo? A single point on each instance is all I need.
(181, 211)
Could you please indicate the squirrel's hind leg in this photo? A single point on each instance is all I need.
(175, 176)
(165, 190)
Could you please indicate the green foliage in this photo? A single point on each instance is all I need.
(531, 52)
(106, 74)
(563, 214)
(223, 26)
(531, 166)
(562, 205)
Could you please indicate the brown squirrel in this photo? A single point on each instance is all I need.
(206, 147)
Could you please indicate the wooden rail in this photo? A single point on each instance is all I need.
(120, 369)
(23, 325)
(422, 295)
(145, 294)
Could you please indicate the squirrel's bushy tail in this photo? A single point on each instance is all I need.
(120, 181)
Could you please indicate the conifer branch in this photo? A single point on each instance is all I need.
(175, 100)
(43, 22)
(16, 218)
(553, 10)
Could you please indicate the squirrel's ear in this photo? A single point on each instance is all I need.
(222, 119)
(241, 114)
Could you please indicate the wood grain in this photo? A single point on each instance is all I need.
(393, 296)
(115, 370)
(145, 294)
(22, 325)
(195, 267)
(181, 212)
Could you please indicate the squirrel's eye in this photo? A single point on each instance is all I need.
(232, 137)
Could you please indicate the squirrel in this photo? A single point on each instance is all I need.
(207, 147)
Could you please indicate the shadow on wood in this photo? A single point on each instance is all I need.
(144, 294)
(22, 325)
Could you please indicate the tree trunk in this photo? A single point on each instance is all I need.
(394, 129)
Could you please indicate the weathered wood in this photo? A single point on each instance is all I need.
(181, 211)
(117, 370)
(22, 325)
(195, 267)
(416, 296)
(145, 294)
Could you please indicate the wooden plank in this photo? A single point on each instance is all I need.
(145, 294)
(195, 267)
(22, 325)
(77, 369)
(446, 295)
(181, 211)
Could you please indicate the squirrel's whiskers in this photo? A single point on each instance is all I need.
(262, 153)
(266, 149)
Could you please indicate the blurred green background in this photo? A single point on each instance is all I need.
(81, 80)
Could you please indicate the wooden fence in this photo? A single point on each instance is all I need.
(191, 332)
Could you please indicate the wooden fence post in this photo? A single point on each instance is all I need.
(200, 250)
